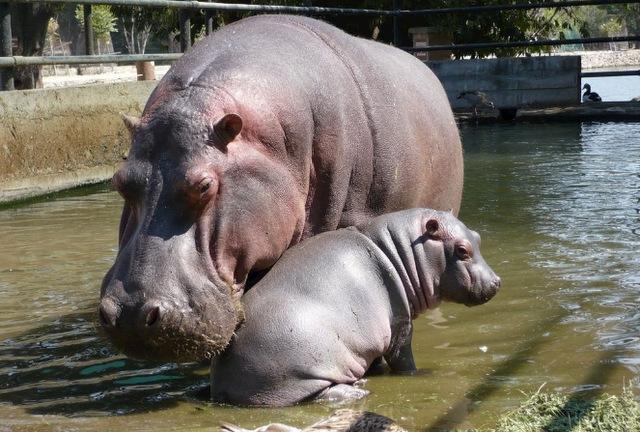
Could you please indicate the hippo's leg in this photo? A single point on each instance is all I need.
(342, 393)
(401, 360)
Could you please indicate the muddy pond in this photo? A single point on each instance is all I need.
(558, 207)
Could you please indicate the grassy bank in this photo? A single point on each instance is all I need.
(553, 412)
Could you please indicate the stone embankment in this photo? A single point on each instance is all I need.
(54, 139)
(606, 59)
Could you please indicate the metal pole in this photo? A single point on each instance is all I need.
(396, 24)
(88, 30)
(185, 30)
(6, 75)
(10, 62)
(197, 5)
(208, 20)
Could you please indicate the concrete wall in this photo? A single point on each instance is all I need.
(513, 82)
(54, 139)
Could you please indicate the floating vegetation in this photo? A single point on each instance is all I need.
(554, 412)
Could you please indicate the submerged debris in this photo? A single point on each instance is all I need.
(341, 420)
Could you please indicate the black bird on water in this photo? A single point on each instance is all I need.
(590, 96)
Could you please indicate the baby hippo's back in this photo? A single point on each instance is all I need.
(318, 318)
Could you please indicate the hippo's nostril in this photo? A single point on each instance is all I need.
(496, 282)
(152, 316)
(107, 313)
(103, 316)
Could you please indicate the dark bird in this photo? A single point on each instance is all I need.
(590, 96)
(343, 420)
(476, 99)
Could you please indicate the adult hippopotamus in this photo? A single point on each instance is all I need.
(271, 130)
(336, 302)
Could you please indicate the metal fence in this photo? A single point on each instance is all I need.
(8, 61)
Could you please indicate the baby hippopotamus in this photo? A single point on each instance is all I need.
(340, 300)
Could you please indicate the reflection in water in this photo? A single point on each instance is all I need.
(64, 368)
(558, 207)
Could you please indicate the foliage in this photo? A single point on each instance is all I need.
(102, 20)
(553, 412)
(139, 23)
(502, 26)
(606, 20)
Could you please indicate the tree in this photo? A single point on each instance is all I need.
(504, 26)
(139, 23)
(29, 23)
(103, 22)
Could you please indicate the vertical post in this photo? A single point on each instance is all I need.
(185, 30)
(88, 29)
(208, 20)
(396, 24)
(6, 74)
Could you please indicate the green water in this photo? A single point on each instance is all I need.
(558, 207)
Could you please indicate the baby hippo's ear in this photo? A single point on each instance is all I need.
(432, 229)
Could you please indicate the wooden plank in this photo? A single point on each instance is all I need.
(513, 82)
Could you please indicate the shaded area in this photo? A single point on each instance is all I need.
(66, 368)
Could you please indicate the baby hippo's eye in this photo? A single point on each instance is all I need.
(463, 250)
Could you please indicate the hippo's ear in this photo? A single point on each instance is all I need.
(227, 129)
(130, 122)
(432, 229)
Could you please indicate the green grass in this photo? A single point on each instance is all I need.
(553, 412)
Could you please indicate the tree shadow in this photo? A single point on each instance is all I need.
(456, 415)
(599, 373)
(67, 368)
(578, 405)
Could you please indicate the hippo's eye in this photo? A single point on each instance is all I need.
(463, 251)
(127, 184)
(204, 185)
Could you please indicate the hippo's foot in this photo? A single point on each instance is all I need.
(342, 393)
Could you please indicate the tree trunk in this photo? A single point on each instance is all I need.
(29, 25)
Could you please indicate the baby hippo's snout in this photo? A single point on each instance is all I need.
(485, 284)
(467, 278)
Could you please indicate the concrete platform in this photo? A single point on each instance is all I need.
(601, 111)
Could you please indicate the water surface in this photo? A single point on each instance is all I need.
(558, 206)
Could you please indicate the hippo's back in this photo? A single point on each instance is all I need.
(377, 118)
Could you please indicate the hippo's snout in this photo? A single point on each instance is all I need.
(484, 290)
(178, 324)
(160, 330)
(144, 317)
